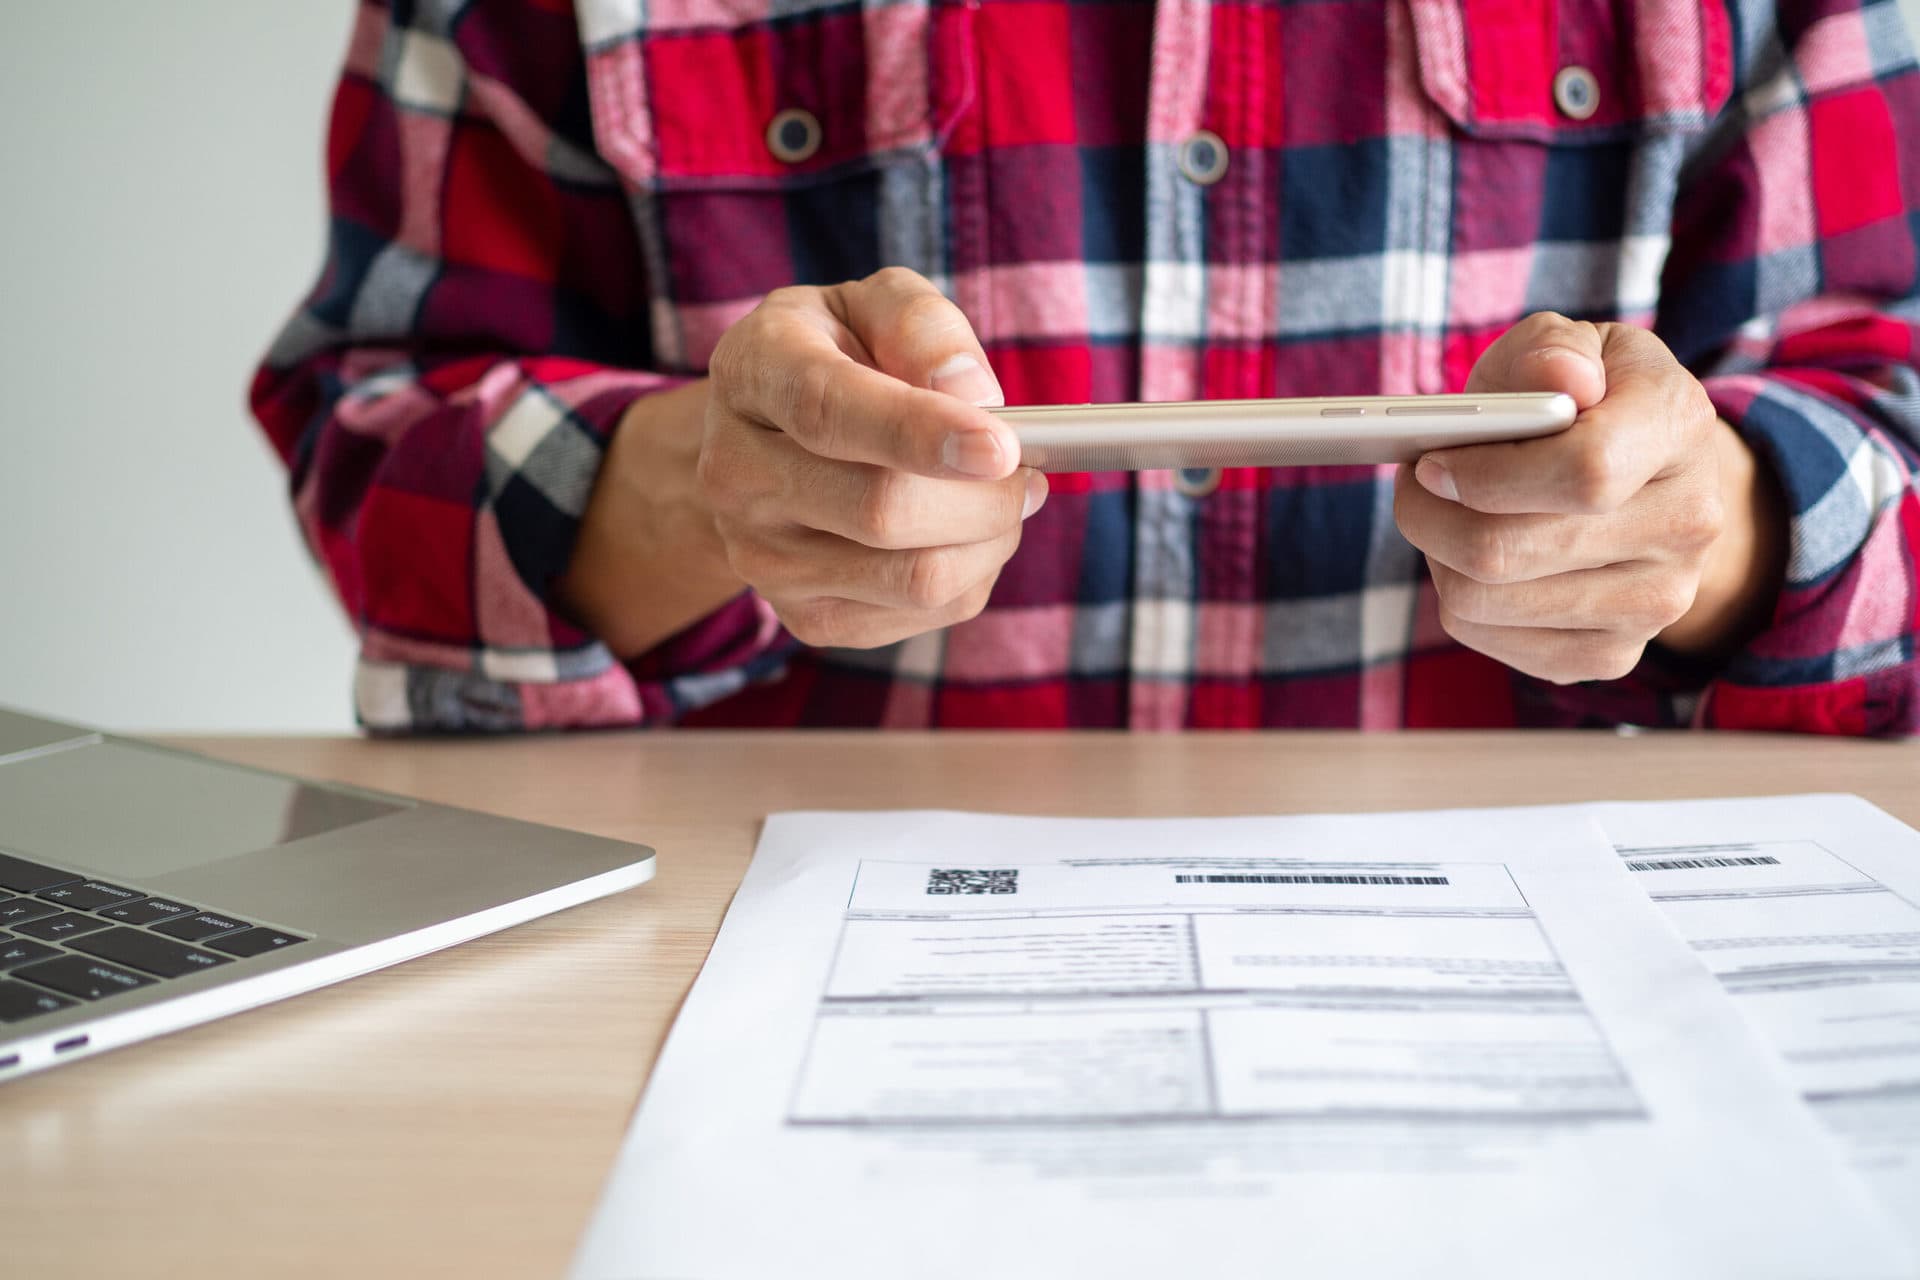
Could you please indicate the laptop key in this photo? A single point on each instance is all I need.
(16, 911)
(19, 1001)
(138, 949)
(22, 876)
(145, 911)
(196, 927)
(256, 941)
(88, 895)
(82, 976)
(18, 951)
(68, 924)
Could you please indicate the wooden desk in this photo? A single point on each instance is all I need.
(455, 1115)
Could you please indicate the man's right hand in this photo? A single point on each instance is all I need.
(853, 477)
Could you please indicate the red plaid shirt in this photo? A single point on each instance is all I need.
(541, 212)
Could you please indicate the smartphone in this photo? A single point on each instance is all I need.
(1319, 431)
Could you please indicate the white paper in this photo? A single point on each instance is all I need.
(1500, 1061)
(1808, 908)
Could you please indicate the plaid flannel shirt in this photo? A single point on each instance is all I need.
(541, 211)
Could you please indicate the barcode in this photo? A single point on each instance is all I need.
(1695, 864)
(1303, 878)
(962, 880)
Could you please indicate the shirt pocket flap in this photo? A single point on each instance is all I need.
(690, 101)
(1497, 68)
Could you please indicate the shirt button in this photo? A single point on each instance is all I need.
(1203, 158)
(793, 135)
(1576, 92)
(1196, 482)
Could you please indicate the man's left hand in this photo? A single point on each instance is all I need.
(1648, 518)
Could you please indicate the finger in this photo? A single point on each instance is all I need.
(805, 563)
(785, 368)
(1558, 656)
(1650, 422)
(1545, 352)
(882, 507)
(1633, 599)
(917, 334)
(1501, 548)
(850, 624)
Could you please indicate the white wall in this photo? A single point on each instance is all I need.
(161, 214)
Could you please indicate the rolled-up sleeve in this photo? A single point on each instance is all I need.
(444, 396)
(1791, 290)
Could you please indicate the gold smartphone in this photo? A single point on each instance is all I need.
(1317, 431)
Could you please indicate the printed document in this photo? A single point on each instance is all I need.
(1446, 1044)
(1808, 910)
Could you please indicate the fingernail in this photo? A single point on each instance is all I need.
(1562, 353)
(963, 377)
(1036, 494)
(975, 453)
(1436, 479)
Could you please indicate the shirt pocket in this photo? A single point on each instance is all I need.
(1506, 71)
(1566, 125)
(762, 152)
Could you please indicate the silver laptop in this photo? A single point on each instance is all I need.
(143, 890)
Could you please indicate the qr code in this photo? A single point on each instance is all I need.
(944, 880)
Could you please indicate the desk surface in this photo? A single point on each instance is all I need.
(455, 1115)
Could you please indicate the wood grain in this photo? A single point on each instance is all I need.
(455, 1115)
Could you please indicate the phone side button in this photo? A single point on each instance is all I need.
(1344, 411)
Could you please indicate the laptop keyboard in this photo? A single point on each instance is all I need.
(65, 939)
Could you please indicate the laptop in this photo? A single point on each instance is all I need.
(143, 890)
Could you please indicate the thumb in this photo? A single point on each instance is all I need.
(1545, 352)
(916, 334)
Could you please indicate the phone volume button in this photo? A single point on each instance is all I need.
(1344, 411)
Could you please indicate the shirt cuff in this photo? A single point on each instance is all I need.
(1838, 653)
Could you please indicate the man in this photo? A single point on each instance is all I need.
(644, 379)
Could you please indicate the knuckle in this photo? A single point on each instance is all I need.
(1563, 665)
(881, 508)
(1542, 324)
(1456, 626)
(724, 366)
(1560, 671)
(782, 301)
(928, 579)
(1598, 474)
(930, 315)
(1013, 502)
(750, 561)
(895, 277)
(1667, 601)
(1488, 554)
(1597, 657)
(814, 623)
(1009, 543)
(1688, 402)
(810, 404)
(1698, 524)
(1617, 661)
(1470, 601)
(974, 601)
(718, 473)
